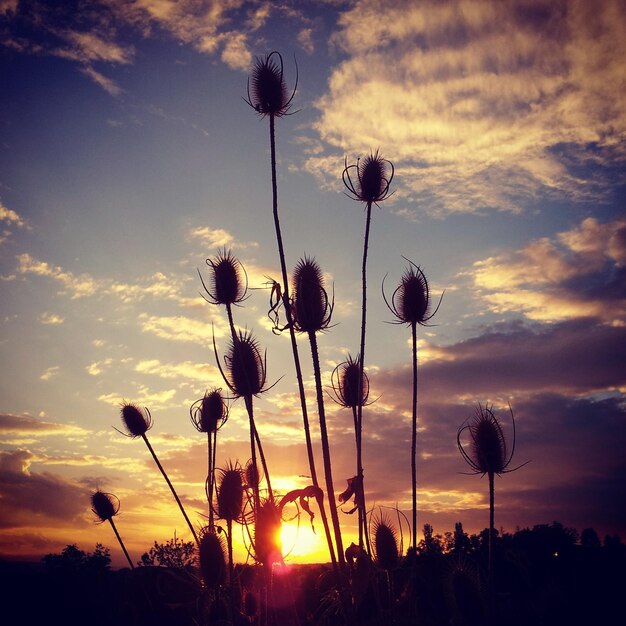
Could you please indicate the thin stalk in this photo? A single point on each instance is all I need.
(121, 543)
(362, 346)
(414, 437)
(167, 480)
(294, 343)
(210, 477)
(248, 401)
(325, 445)
(229, 542)
(491, 526)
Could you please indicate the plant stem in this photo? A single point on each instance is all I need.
(248, 401)
(325, 446)
(121, 542)
(167, 480)
(491, 526)
(294, 343)
(210, 478)
(414, 437)
(362, 350)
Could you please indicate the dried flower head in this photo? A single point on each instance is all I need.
(228, 280)
(136, 421)
(345, 384)
(267, 91)
(246, 367)
(104, 505)
(411, 302)
(212, 559)
(464, 592)
(311, 308)
(385, 543)
(267, 526)
(253, 476)
(209, 413)
(368, 179)
(230, 493)
(488, 449)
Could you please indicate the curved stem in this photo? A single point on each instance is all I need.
(294, 343)
(414, 437)
(167, 480)
(121, 543)
(325, 446)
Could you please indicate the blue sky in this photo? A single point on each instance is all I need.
(128, 157)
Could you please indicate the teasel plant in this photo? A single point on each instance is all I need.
(246, 376)
(487, 453)
(230, 504)
(208, 415)
(269, 97)
(212, 560)
(106, 506)
(367, 181)
(411, 304)
(137, 423)
(312, 311)
(350, 389)
(386, 551)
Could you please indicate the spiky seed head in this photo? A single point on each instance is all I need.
(104, 505)
(136, 421)
(229, 282)
(230, 493)
(385, 544)
(267, 527)
(212, 559)
(253, 477)
(464, 592)
(311, 309)
(246, 366)
(345, 383)
(413, 297)
(209, 413)
(488, 451)
(267, 91)
(373, 176)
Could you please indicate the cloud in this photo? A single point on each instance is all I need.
(51, 319)
(159, 285)
(32, 499)
(50, 372)
(480, 105)
(110, 86)
(581, 273)
(181, 328)
(219, 238)
(10, 216)
(27, 429)
(204, 372)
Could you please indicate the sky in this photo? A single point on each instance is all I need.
(128, 156)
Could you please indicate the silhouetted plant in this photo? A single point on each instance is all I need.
(367, 181)
(411, 305)
(464, 593)
(269, 97)
(137, 423)
(488, 454)
(312, 312)
(106, 506)
(230, 502)
(208, 415)
(246, 377)
(212, 559)
(350, 389)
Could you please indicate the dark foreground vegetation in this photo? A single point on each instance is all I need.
(544, 575)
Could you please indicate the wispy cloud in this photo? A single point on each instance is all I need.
(50, 372)
(580, 273)
(51, 319)
(479, 104)
(219, 238)
(185, 370)
(27, 429)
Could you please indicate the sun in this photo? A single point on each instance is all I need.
(302, 545)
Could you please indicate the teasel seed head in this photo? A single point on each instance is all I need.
(368, 180)
(209, 413)
(228, 280)
(311, 308)
(411, 302)
(267, 91)
(345, 384)
(253, 477)
(385, 543)
(267, 526)
(105, 505)
(136, 421)
(246, 368)
(212, 557)
(230, 491)
(488, 452)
